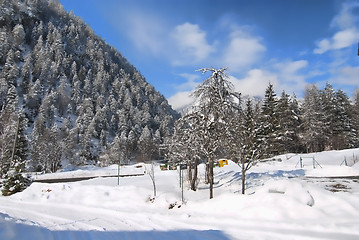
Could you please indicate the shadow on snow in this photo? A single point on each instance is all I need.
(235, 177)
(10, 229)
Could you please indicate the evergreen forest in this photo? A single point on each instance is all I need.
(68, 98)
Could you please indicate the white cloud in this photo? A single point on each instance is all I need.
(255, 83)
(346, 76)
(345, 18)
(286, 75)
(242, 51)
(191, 43)
(292, 76)
(181, 100)
(347, 34)
(290, 67)
(340, 40)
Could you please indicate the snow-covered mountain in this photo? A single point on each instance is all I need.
(72, 89)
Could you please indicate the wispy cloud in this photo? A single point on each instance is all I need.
(242, 51)
(346, 75)
(292, 75)
(347, 31)
(190, 83)
(144, 29)
(191, 43)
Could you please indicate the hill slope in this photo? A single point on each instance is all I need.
(74, 91)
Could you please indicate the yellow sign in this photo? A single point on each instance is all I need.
(222, 162)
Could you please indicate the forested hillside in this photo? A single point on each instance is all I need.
(68, 97)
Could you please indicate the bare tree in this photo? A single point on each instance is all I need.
(185, 147)
(243, 139)
(151, 173)
(47, 151)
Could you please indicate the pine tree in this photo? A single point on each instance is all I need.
(10, 70)
(343, 128)
(355, 116)
(14, 155)
(328, 101)
(146, 145)
(26, 74)
(18, 34)
(287, 114)
(313, 115)
(47, 151)
(3, 92)
(14, 181)
(269, 123)
(7, 136)
(4, 45)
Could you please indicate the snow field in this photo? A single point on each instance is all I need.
(281, 202)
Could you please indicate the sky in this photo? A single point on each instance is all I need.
(288, 43)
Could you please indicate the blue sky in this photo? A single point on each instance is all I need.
(290, 43)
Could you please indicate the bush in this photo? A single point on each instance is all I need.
(14, 182)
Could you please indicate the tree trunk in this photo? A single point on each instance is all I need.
(152, 176)
(243, 179)
(190, 166)
(154, 187)
(210, 178)
(194, 175)
(207, 174)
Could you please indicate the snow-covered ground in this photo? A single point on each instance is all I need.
(283, 201)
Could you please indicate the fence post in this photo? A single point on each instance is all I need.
(301, 162)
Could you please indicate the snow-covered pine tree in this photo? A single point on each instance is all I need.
(313, 129)
(13, 154)
(269, 123)
(47, 151)
(146, 145)
(355, 116)
(7, 136)
(327, 97)
(344, 134)
(287, 132)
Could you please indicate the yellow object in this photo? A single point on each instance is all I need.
(163, 167)
(223, 162)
